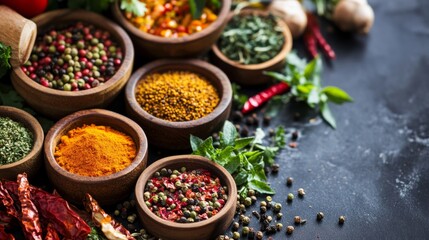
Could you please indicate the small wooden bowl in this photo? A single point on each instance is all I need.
(32, 162)
(108, 189)
(175, 135)
(206, 229)
(56, 103)
(252, 74)
(187, 46)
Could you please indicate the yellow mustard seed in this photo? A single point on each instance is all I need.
(177, 96)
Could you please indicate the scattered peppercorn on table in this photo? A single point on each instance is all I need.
(328, 184)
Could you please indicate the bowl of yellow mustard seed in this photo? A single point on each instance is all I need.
(21, 141)
(97, 152)
(173, 99)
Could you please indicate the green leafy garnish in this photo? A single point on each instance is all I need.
(305, 85)
(245, 158)
(5, 54)
(135, 7)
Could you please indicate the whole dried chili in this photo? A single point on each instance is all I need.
(313, 35)
(5, 220)
(4, 235)
(55, 210)
(29, 213)
(264, 96)
(7, 202)
(110, 228)
(51, 233)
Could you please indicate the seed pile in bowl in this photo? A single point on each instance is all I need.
(72, 58)
(251, 39)
(16, 141)
(184, 196)
(94, 151)
(177, 95)
(173, 18)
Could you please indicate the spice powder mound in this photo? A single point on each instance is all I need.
(177, 96)
(95, 151)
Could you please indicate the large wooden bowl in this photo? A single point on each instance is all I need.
(32, 162)
(56, 103)
(252, 74)
(175, 135)
(207, 229)
(187, 46)
(107, 189)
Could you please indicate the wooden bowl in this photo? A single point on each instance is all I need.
(56, 103)
(206, 229)
(252, 74)
(32, 162)
(108, 189)
(175, 135)
(187, 46)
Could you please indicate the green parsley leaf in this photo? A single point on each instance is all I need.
(135, 7)
(5, 54)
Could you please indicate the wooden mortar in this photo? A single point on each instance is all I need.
(17, 32)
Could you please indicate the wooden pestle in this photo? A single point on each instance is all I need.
(17, 32)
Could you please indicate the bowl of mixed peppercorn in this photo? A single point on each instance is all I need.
(95, 151)
(21, 141)
(173, 28)
(253, 41)
(186, 197)
(80, 60)
(172, 99)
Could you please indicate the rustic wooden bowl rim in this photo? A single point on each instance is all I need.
(29, 122)
(165, 162)
(223, 13)
(287, 46)
(225, 93)
(142, 144)
(120, 36)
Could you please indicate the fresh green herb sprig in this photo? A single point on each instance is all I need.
(196, 7)
(5, 54)
(135, 7)
(305, 85)
(251, 39)
(245, 158)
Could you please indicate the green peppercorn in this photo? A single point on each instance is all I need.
(245, 231)
(235, 235)
(164, 172)
(289, 181)
(80, 45)
(251, 192)
(148, 204)
(217, 205)
(269, 218)
(254, 199)
(112, 49)
(263, 209)
(269, 198)
(67, 87)
(290, 197)
(263, 203)
(74, 52)
(277, 207)
(279, 226)
(235, 226)
(246, 220)
(279, 216)
(116, 212)
(183, 169)
(247, 201)
(94, 41)
(52, 49)
(131, 218)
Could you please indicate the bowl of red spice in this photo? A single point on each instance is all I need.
(172, 28)
(253, 41)
(21, 141)
(97, 152)
(186, 197)
(80, 60)
(172, 99)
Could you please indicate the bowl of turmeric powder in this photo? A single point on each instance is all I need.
(97, 152)
(173, 99)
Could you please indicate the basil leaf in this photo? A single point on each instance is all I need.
(278, 76)
(196, 7)
(232, 165)
(313, 98)
(195, 142)
(229, 134)
(261, 187)
(135, 7)
(336, 95)
(241, 178)
(310, 68)
(242, 142)
(259, 135)
(327, 115)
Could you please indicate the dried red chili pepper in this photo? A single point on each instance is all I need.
(264, 96)
(313, 30)
(110, 228)
(310, 43)
(4, 235)
(51, 233)
(7, 202)
(56, 211)
(29, 214)
(5, 220)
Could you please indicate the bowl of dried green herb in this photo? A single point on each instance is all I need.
(21, 141)
(253, 41)
(172, 99)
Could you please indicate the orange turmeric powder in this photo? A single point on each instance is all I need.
(95, 151)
